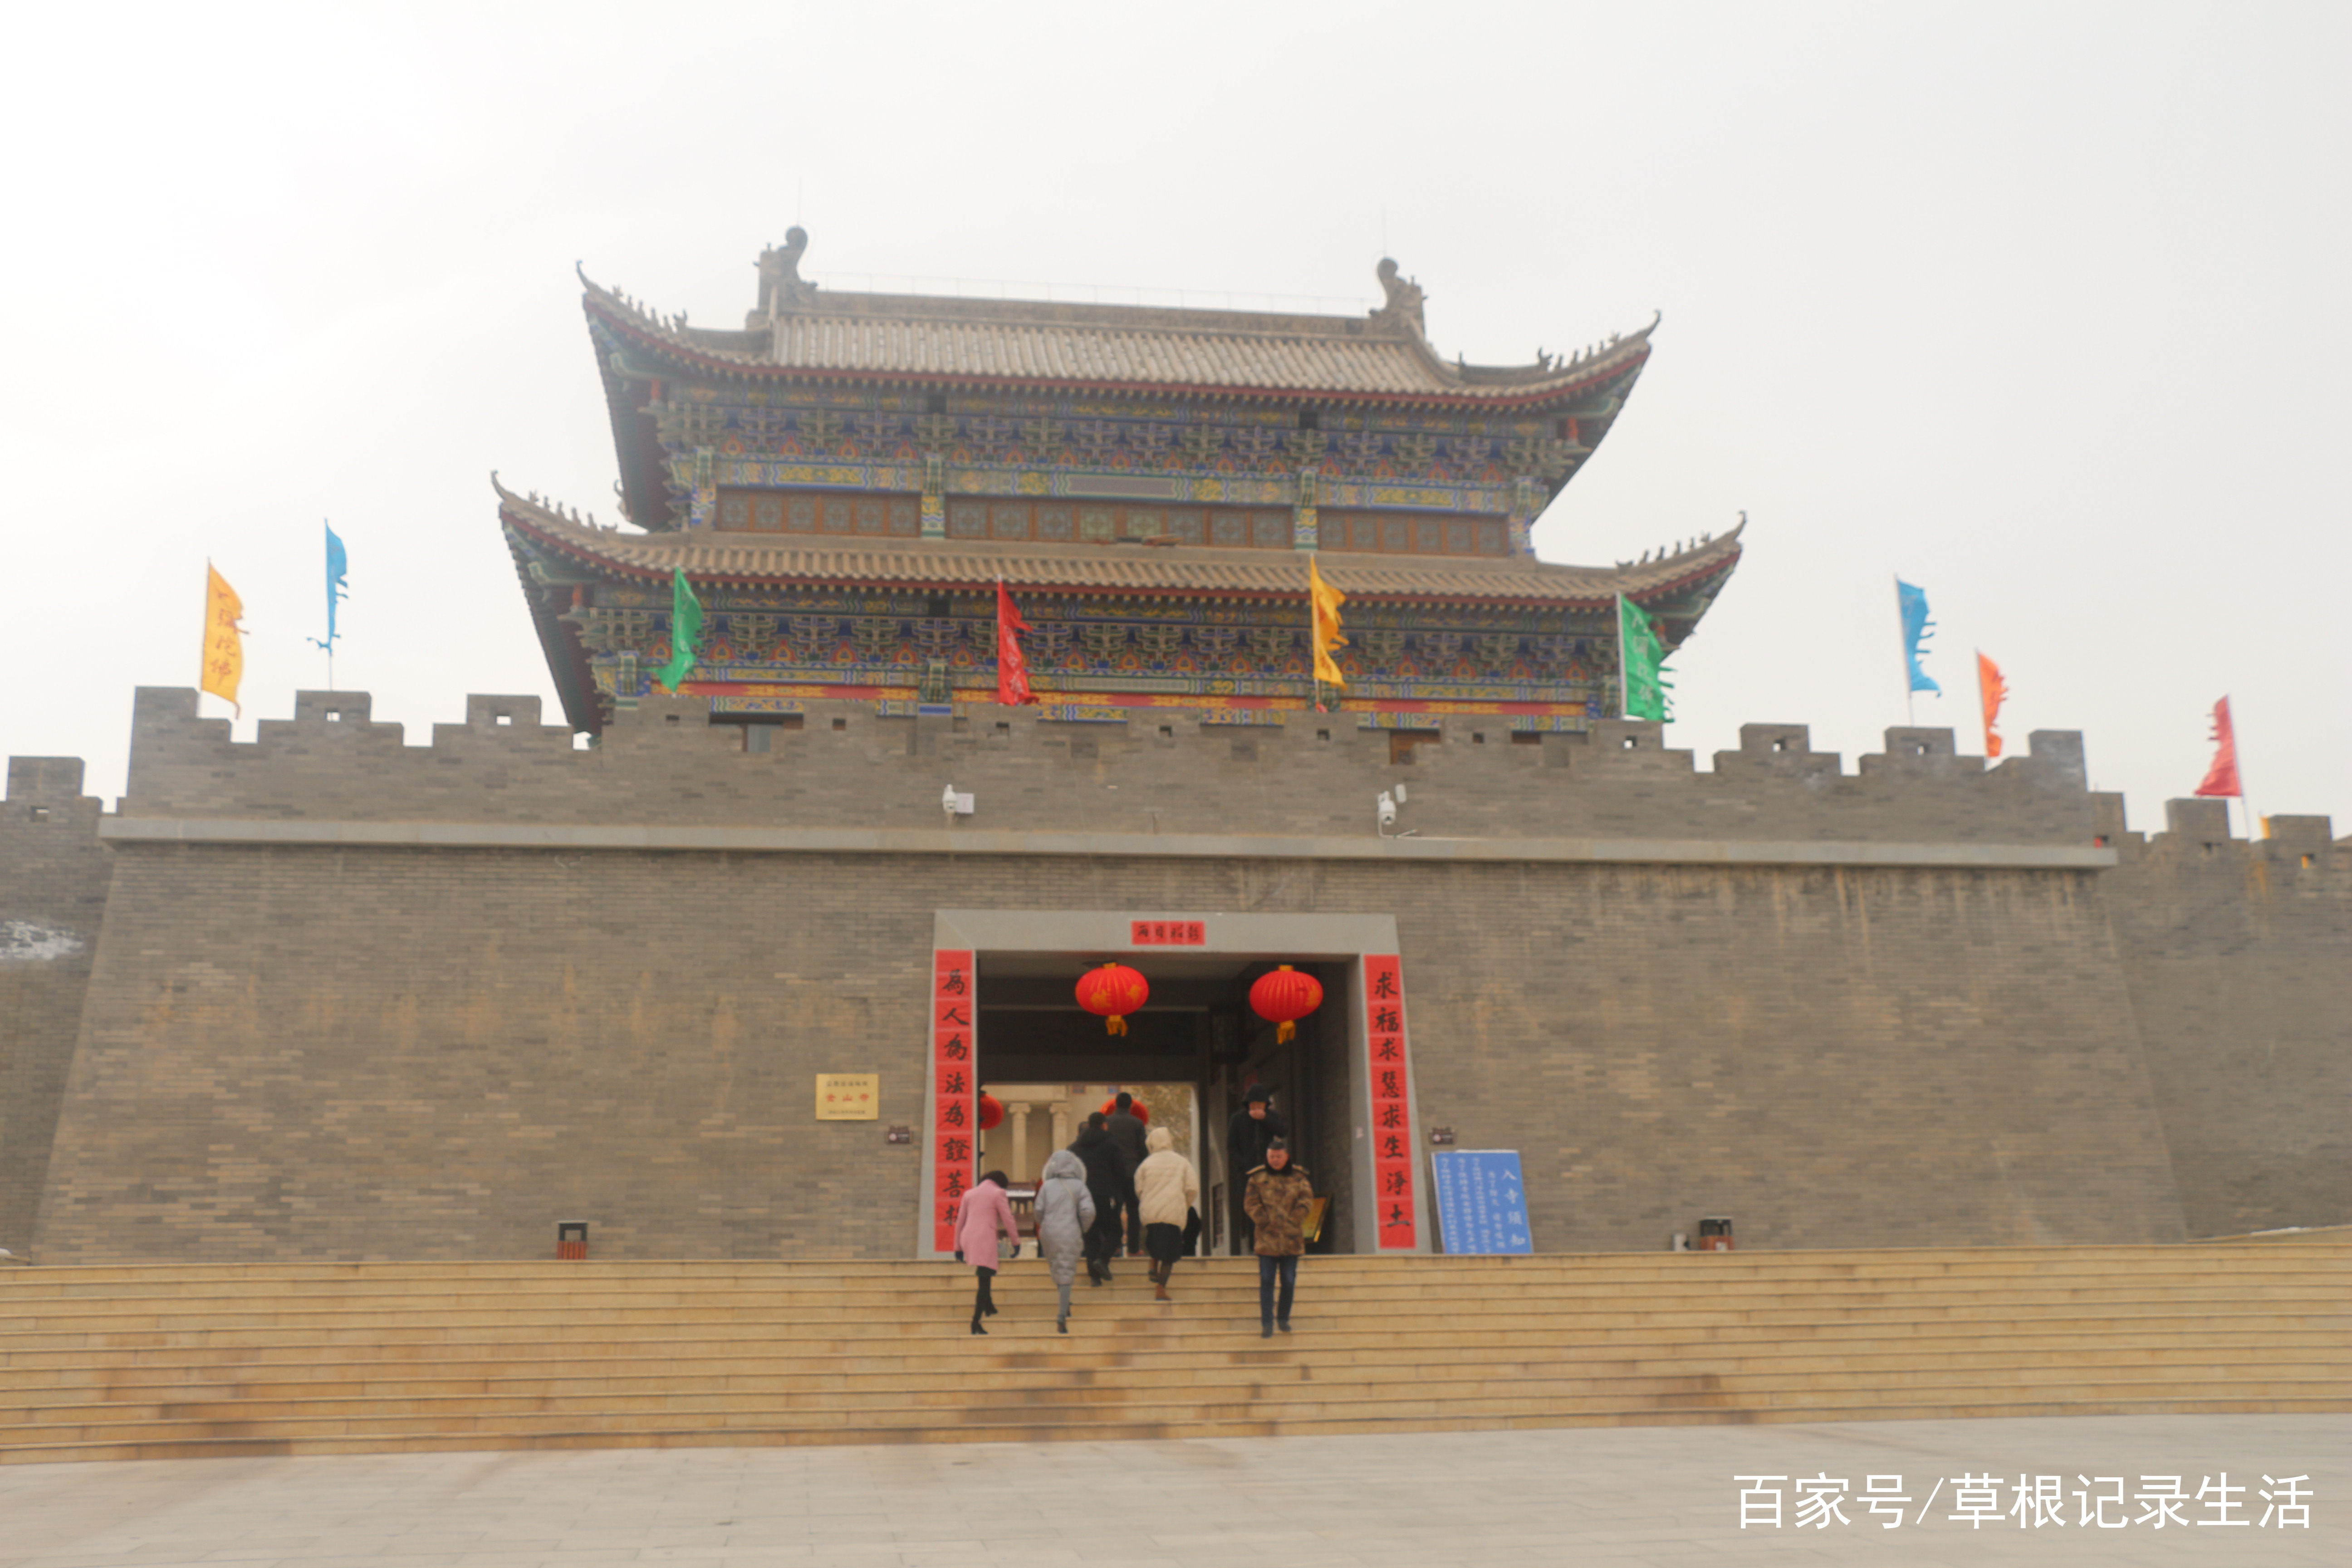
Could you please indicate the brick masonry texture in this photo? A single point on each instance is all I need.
(664, 761)
(2239, 959)
(339, 1052)
(53, 880)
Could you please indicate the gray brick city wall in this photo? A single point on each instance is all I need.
(1167, 772)
(441, 1053)
(53, 878)
(367, 1051)
(2239, 957)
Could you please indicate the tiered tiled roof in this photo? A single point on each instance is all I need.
(995, 342)
(950, 564)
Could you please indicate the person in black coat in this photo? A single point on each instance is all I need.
(1127, 1132)
(1097, 1153)
(1253, 1130)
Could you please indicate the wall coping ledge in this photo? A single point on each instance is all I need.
(1180, 846)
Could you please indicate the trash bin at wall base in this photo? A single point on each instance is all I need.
(571, 1239)
(1714, 1233)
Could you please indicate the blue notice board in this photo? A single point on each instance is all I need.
(1482, 1204)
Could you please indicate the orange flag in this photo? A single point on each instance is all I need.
(224, 665)
(2221, 778)
(1992, 690)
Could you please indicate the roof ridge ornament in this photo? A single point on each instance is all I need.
(782, 286)
(1404, 297)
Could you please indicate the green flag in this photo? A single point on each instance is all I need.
(1643, 661)
(685, 633)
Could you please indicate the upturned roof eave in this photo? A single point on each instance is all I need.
(1621, 366)
(1711, 561)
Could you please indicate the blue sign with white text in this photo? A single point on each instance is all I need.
(1482, 1204)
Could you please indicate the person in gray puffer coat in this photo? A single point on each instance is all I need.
(1066, 1211)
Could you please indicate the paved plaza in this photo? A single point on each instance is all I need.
(1627, 1495)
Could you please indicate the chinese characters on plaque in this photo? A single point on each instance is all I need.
(1392, 1131)
(955, 1095)
(1482, 1204)
(848, 1097)
(1168, 933)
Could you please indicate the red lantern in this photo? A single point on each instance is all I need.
(1283, 997)
(992, 1111)
(1111, 992)
(1134, 1108)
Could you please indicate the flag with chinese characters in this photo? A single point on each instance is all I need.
(1323, 602)
(224, 665)
(2221, 778)
(1645, 658)
(1911, 603)
(1992, 691)
(1011, 665)
(685, 633)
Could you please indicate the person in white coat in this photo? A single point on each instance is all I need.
(1066, 1212)
(1166, 1189)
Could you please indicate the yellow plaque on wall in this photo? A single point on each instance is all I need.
(848, 1096)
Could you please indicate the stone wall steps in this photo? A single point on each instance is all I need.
(1185, 1315)
(945, 1418)
(1091, 1348)
(600, 1355)
(18, 1313)
(1274, 1380)
(533, 1274)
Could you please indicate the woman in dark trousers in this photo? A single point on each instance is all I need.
(1279, 1199)
(1126, 1134)
(986, 1213)
(1099, 1155)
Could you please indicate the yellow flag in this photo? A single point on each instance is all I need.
(224, 639)
(1325, 600)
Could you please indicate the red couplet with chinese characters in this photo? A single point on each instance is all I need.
(1384, 1070)
(955, 1090)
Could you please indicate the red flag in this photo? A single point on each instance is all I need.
(1012, 668)
(2221, 778)
(1993, 691)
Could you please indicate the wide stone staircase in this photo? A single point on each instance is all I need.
(185, 1361)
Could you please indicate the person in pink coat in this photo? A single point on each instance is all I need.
(986, 1213)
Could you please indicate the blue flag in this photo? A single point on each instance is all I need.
(338, 568)
(1917, 629)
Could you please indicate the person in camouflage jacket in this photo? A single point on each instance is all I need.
(1278, 1200)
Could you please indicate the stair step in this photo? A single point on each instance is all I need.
(163, 1360)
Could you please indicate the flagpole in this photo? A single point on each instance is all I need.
(1624, 682)
(1314, 642)
(2246, 796)
(1903, 646)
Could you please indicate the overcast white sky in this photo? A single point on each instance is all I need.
(2043, 307)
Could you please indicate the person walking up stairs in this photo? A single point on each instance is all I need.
(1166, 1188)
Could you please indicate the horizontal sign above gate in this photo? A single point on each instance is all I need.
(1168, 933)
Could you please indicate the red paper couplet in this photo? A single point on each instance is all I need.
(955, 1089)
(1387, 1076)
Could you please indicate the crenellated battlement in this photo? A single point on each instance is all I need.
(818, 763)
